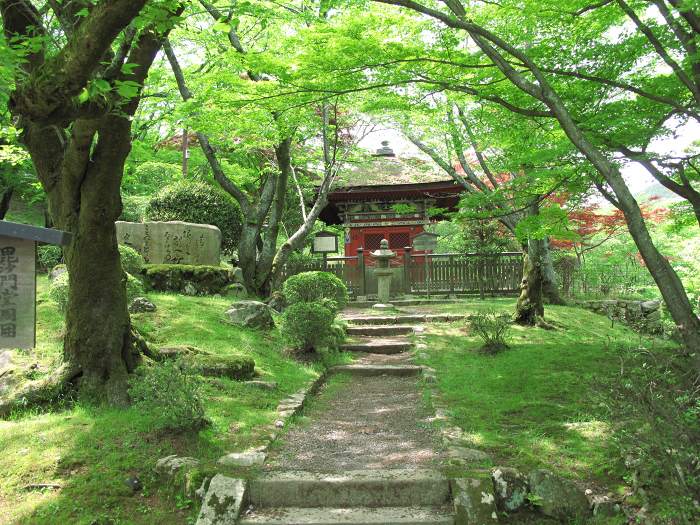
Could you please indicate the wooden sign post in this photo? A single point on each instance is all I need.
(18, 281)
(325, 242)
(426, 242)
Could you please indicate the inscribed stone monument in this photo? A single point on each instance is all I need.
(17, 292)
(172, 242)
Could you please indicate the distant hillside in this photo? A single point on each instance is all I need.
(656, 191)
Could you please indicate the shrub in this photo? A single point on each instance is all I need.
(58, 290)
(308, 326)
(49, 256)
(492, 328)
(132, 261)
(171, 393)
(653, 404)
(186, 278)
(315, 286)
(134, 208)
(200, 203)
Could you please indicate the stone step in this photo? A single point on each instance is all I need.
(354, 488)
(373, 331)
(402, 319)
(378, 346)
(355, 516)
(377, 370)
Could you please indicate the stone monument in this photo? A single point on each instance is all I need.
(172, 242)
(383, 273)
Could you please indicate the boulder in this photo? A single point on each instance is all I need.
(172, 465)
(237, 290)
(277, 301)
(57, 270)
(650, 306)
(237, 276)
(177, 351)
(223, 501)
(242, 459)
(467, 455)
(474, 501)
(232, 367)
(511, 488)
(557, 497)
(141, 304)
(251, 314)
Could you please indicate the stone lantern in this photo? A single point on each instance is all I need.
(383, 273)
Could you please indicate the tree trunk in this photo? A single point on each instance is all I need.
(550, 286)
(529, 310)
(5, 202)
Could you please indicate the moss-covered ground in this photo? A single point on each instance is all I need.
(91, 451)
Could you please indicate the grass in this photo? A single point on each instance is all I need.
(531, 406)
(91, 451)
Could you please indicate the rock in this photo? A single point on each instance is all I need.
(251, 314)
(237, 276)
(653, 316)
(277, 301)
(176, 351)
(189, 289)
(467, 455)
(237, 290)
(172, 465)
(511, 488)
(606, 508)
(474, 501)
(557, 497)
(172, 242)
(266, 385)
(141, 304)
(133, 483)
(279, 423)
(233, 367)
(5, 360)
(223, 501)
(57, 271)
(242, 459)
(650, 306)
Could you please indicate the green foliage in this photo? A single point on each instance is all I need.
(655, 403)
(200, 203)
(551, 221)
(134, 208)
(492, 328)
(59, 289)
(171, 394)
(186, 278)
(132, 261)
(316, 286)
(49, 256)
(308, 326)
(149, 177)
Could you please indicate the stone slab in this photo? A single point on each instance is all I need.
(354, 488)
(373, 331)
(172, 242)
(474, 501)
(242, 459)
(223, 501)
(378, 370)
(402, 319)
(355, 516)
(378, 346)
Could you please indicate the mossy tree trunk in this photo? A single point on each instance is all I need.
(529, 311)
(78, 150)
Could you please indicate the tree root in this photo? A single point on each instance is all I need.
(41, 391)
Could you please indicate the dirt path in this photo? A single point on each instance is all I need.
(361, 423)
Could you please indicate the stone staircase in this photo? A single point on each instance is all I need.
(388, 497)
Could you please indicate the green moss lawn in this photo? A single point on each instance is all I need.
(90, 451)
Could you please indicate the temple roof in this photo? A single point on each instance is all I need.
(390, 171)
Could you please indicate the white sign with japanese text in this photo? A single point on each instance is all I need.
(17, 293)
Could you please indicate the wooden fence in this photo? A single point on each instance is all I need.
(445, 273)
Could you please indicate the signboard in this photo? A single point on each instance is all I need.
(17, 292)
(325, 242)
(425, 242)
(18, 281)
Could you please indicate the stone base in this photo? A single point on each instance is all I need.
(383, 306)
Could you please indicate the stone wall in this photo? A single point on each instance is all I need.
(643, 316)
(172, 242)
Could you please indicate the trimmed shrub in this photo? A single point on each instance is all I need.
(492, 328)
(58, 290)
(187, 279)
(199, 203)
(308, 326)
(316, 286)
(170, 393)
(48, 256)
(134, 208)
(132, 261)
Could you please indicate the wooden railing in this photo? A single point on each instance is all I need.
(452, 273)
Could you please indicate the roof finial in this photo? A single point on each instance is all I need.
(385, 150)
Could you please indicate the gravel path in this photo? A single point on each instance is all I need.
(360, 423)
